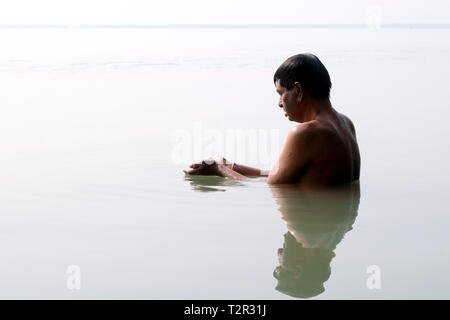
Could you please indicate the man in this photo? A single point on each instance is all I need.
(321, 150)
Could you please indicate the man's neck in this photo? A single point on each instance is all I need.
(314, 107)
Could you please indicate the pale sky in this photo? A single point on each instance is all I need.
(120, 12)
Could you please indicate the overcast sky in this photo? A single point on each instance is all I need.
(119, 12)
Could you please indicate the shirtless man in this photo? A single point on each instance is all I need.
(321, 150)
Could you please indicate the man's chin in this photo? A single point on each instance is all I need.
(288, 116)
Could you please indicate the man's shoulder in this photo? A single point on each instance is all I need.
(301, 132)
(311, 130)
(348, 122)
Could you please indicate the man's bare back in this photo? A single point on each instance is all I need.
(329, 150)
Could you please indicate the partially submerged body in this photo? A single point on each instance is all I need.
(320, 151)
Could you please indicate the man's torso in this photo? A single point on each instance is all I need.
(333, 155)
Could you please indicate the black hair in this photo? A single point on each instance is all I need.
(306, 69)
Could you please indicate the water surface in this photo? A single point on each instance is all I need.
(88, 176)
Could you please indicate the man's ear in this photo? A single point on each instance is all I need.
(298, 88)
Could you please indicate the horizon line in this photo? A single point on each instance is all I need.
(236, 26)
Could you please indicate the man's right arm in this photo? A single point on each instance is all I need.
(294, 157)
(250, 171)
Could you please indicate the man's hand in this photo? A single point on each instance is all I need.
(220, 160)
(206, 168)
(211, 160)
(214, 167)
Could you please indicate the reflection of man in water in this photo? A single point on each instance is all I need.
(319, 151)
(316, 222)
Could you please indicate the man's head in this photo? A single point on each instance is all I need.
(300, 78)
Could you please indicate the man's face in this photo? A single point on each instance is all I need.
(287, 101)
